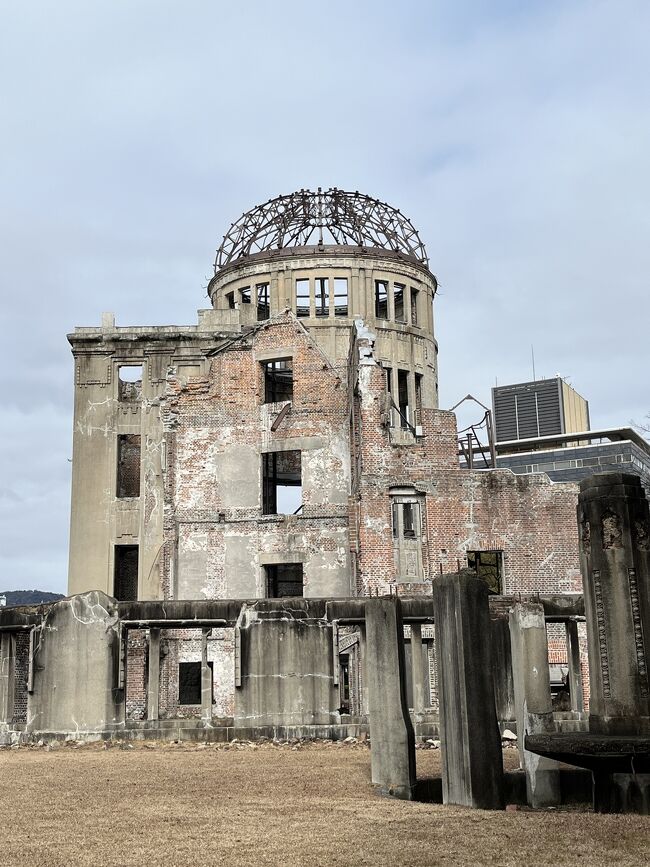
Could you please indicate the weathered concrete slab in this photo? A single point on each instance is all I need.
(392, 738)
(472, 764)
(76, 654)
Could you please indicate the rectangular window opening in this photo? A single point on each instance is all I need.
(302, 297)
(322, 296)
(128, 465)
(414, 306)
(281, 483)
(381, 299)
(418, 398)
(230, 297)
(398, 302)
(488, 565)
(278, 380)
(130, 382)
(284, 579)
(263, 301)
(340, 296)
(189, 682)
(125, 581)
(403, 397)
(245, 294)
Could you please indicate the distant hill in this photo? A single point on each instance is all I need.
(29, 597)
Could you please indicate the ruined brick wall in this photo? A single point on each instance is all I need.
(216, 537)
(529, 518)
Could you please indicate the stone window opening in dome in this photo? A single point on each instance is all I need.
(398, 302)
(414, 305)
(322, 296)
(263, 301)
(230, 298)
(278, 380)
(381, 299)
(418, 399)
(245, 294)
(403, 398)
(340, 296)
(302, 297)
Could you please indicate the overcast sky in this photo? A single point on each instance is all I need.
(515, 135)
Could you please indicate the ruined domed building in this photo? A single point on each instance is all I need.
(291, 444)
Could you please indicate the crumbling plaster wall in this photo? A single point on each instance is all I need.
(217, 429)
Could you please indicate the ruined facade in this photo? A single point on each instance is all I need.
(291, 444)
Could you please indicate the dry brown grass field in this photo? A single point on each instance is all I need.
(181, 804)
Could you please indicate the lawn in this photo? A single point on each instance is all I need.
(166, 804)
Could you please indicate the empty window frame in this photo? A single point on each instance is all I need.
(418, 398)
(340, 296)
(130, 382)
(322, 296)
(403, 398)
(230, 298)
(263, 301)
(125, 580)
(245, 294)
(406, 519)
(302, 297)
(414, 305)
(281, 483)
(381, 299)
(278, 380)
(284, 579)
(189, 682)
(128, 465)
(398, 302)
(488, 565)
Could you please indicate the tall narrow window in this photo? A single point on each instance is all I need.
(230, 298)
(418, 398)
(302, 297)
(128, 465)
(245, 294)
(284, 579)
(414, 305)
(381, 299)
(263, 301)
(389, 380)
(408, 521)
(340, 296)
(281, 483)
(125, 583)
(398, 301)
(403, 397)
(322, 296)
(278, 380)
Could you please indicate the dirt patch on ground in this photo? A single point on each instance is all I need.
(162, 804)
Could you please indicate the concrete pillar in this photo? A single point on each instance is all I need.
(153, 681)
(392, 740)
(206, 678)
(472, 763)
(575, 672)
(419, 673)
(614, 527)
(533, 700)
(7, 679)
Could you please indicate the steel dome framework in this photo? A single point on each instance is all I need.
(331, 217)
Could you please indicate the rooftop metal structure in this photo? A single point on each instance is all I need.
(321, 218)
